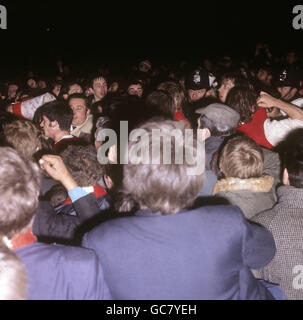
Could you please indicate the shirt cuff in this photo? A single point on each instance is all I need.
(76, 194)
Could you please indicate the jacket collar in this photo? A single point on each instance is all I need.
(263, 184)
(289, 198)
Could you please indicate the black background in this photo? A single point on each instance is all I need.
(89, 32)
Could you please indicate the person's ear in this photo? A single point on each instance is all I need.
(55, 124)
(88, 112)
(286, 178)
(203, 134)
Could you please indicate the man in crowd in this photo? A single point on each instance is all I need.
(56, 124)
(82, 123)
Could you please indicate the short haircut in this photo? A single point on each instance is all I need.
(83, 165)
(59, 111)
(291, 151)
(97, 76)
(241, 158)
(175, 90)
(79, 96)
(162, 102)
(162, 187)
(13, 280)
(242, 99)
(24, 136)
(216, 130)
(19, 190)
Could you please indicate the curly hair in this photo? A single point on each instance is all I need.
(243, 100)
(24, 136)
(81, 161)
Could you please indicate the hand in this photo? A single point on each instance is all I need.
(266, 101)
(56, 168)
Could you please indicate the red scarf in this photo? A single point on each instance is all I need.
(22, 240)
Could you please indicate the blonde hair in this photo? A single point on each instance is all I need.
(19, 190)
(175, 90)
(241, 158)
(24, 136)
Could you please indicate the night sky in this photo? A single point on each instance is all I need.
(90, 30)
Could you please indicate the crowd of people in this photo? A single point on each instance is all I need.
(76, 227)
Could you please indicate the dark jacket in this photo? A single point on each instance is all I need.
(200, 254)
(56, 272)
(65, 228)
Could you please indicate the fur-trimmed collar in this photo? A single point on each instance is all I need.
(263, 184)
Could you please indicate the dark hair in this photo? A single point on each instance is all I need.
(59, 111)
(291, 151)
(97, 76)
(80, 96)
(237, 78)
(82, 163)
(66, 87)
(242, 99)
(216, 130)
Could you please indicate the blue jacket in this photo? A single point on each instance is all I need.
(205, 253)
(56, 272)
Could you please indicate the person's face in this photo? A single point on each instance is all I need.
(32, 83)
(75, 88)
(100, 88)
(48, 128)
(262, 75)
(57, 89)
(287, 93)
(144, 67)
(135, 90)
(79, 110)
(195, 95)
(12, 91)
(42, 84)
(223, 91)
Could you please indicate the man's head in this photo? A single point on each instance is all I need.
(244, 101)
(218, 120)
(12, 90)
(99, 86)
(80, 107)
(82, 163)
(57, 118)
(158, 186)
(228, 81)
(197, 84)
(19, 190)
(71, 88)
(135, 88)
(25, 137)
(175, 90)
(145, 66)
(288, 84)
(241, 158)
(292, 159)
